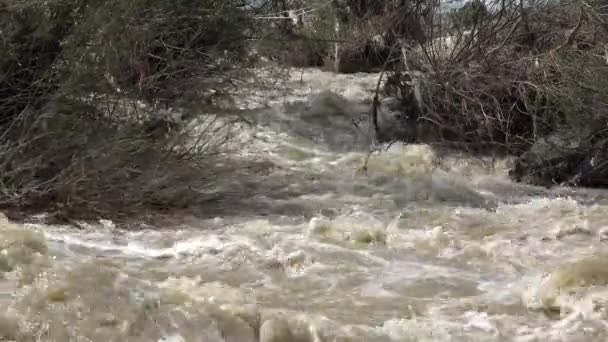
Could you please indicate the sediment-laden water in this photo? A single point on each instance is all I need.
(418, 248)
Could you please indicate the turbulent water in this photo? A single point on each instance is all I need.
(318, 248)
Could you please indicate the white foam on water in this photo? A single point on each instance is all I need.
(479, 320)
(196, 245)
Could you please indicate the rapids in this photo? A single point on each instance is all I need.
(418, 248)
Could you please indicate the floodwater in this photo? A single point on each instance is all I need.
(316, 248)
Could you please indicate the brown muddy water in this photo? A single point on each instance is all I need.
(417, 249)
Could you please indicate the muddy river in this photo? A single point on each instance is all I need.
(417, 248)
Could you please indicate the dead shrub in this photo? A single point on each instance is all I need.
(86, 166)
(81, 88)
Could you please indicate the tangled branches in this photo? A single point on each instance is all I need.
(82, 86)
(524, 79)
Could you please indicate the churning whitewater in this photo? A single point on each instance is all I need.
(414, 247)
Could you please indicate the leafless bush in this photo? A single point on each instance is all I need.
(81, 129)
(87, 165)
(494, 81)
